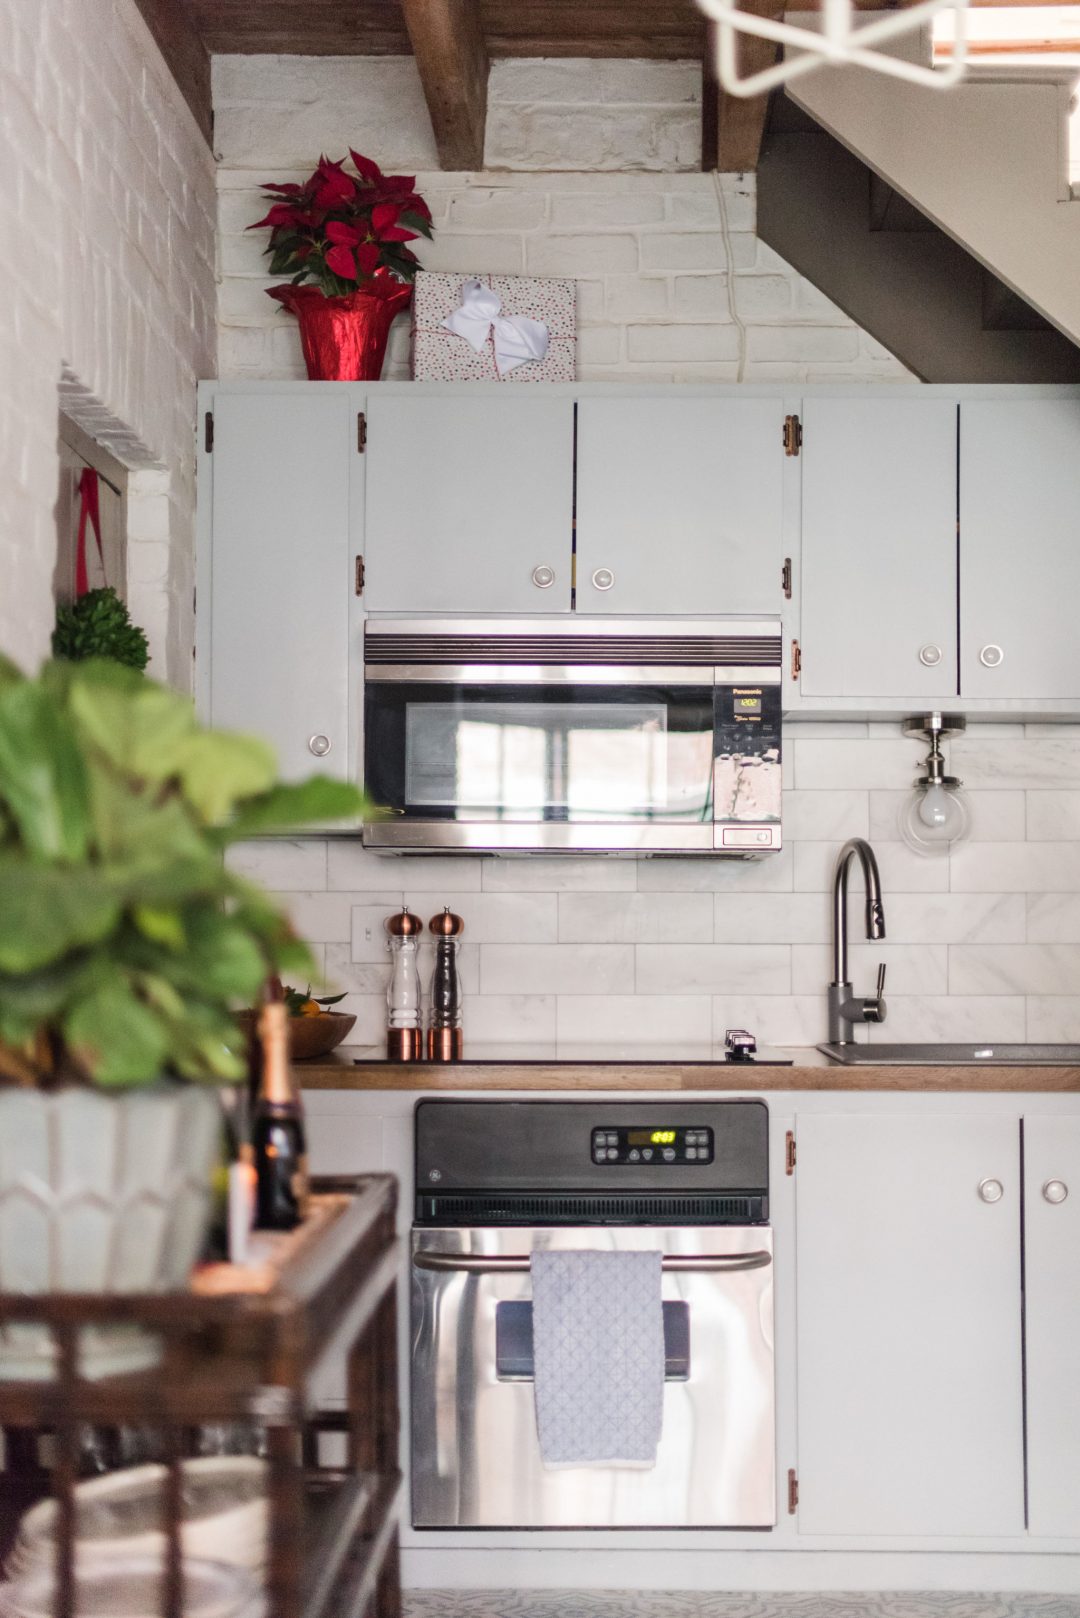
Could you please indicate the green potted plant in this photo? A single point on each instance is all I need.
(125, 944)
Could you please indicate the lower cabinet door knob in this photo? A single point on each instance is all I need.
(1055, 1191)
(319, 745)
(991, 1190)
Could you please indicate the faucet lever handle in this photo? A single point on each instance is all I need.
(874, 1010)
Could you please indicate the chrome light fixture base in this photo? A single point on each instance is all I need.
(936, 815)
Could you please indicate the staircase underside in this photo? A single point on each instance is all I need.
(888, 267)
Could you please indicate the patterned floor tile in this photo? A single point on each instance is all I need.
(687, 1604)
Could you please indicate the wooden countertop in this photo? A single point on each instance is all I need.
(362, 1068)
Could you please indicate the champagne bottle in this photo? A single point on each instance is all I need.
(277, 1134)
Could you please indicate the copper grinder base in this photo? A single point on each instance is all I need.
(404, 1045)
(444, 1044)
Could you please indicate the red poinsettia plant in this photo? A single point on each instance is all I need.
(343, 232)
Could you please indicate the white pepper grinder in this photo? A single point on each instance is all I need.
(445, 1037)
(404, 1031)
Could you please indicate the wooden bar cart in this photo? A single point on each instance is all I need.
(241, 1347)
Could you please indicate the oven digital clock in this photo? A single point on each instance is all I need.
(678, 1143)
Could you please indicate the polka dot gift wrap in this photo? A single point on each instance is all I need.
(439, 355)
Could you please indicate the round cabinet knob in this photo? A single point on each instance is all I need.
(319, 745)
(543, 577)
(930, 656)
(991, 657)
(603, 578)
(991, 1190)
(1055, 1190)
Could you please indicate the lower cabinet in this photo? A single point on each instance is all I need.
(1052, 1322)
(910, 1374)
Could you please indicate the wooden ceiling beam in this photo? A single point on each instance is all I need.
(448, 43)
(732, 127)
(186, 57)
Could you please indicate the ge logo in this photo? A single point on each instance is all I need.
(435, 1174)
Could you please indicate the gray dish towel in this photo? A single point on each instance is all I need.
(598, 1350)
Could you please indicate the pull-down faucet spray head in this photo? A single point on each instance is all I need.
(844, 1008)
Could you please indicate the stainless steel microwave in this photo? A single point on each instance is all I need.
(582, 735)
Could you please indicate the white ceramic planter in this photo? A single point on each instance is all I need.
(100, 1192)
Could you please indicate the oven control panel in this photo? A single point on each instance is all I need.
(682, 1143)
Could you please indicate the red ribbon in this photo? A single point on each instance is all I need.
(88, 508)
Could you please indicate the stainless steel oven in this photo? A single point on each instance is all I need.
(574, 735)
(498, 1181)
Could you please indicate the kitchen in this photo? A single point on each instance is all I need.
(808, 488)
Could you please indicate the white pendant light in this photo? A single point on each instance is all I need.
(839, 41)
(936, 816)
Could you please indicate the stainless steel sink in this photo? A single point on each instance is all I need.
(985, 1055)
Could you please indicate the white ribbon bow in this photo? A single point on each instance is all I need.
(517, 339)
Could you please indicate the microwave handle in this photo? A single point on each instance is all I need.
(516, 1263)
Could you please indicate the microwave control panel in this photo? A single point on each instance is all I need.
(682, 1143)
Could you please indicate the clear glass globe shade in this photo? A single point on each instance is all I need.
(934, 819)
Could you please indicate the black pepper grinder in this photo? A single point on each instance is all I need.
(445, 1033)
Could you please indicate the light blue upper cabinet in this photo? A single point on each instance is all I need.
(879, 568)
(1020, 548)
(679, 505)
(469, 503)
(274, 622)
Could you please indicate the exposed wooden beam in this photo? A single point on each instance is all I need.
(448, 43)
(732, 126)
(186, 57)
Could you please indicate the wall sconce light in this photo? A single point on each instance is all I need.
(936, 815)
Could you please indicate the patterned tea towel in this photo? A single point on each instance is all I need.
(598, 1344)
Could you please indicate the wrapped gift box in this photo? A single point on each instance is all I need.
(439, 355)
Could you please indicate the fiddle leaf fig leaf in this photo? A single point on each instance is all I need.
(49, 910)
(160, 925)
(115, 1037)
(140, 727)
(217, 770)
(42, 775)
(302, 803)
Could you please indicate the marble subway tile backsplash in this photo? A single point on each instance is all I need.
(981, 944)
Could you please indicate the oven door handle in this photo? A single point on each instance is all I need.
(517, 1263)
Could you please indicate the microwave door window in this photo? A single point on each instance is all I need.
(629, 755)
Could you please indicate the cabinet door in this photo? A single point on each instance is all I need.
(679, 505)
(469, 504)
(879, 548)
(1019, 547)
(1052, 1323)
(909, 1338)
(281, 575)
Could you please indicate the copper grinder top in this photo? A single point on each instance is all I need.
(447, 925)
(404, 924)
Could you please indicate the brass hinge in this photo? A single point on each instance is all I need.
(792, 1491)
(208, 432)
(785, 577)
(792, 435)
(359, 575)
(789, 1152)
(361, 432)
(796, 660)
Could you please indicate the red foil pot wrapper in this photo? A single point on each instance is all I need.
(344, 339)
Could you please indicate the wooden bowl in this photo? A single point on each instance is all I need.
(308, 1036)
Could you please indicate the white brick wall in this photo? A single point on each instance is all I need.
(646, 248)
(985, 944)
(981, 944)
(107, 210)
